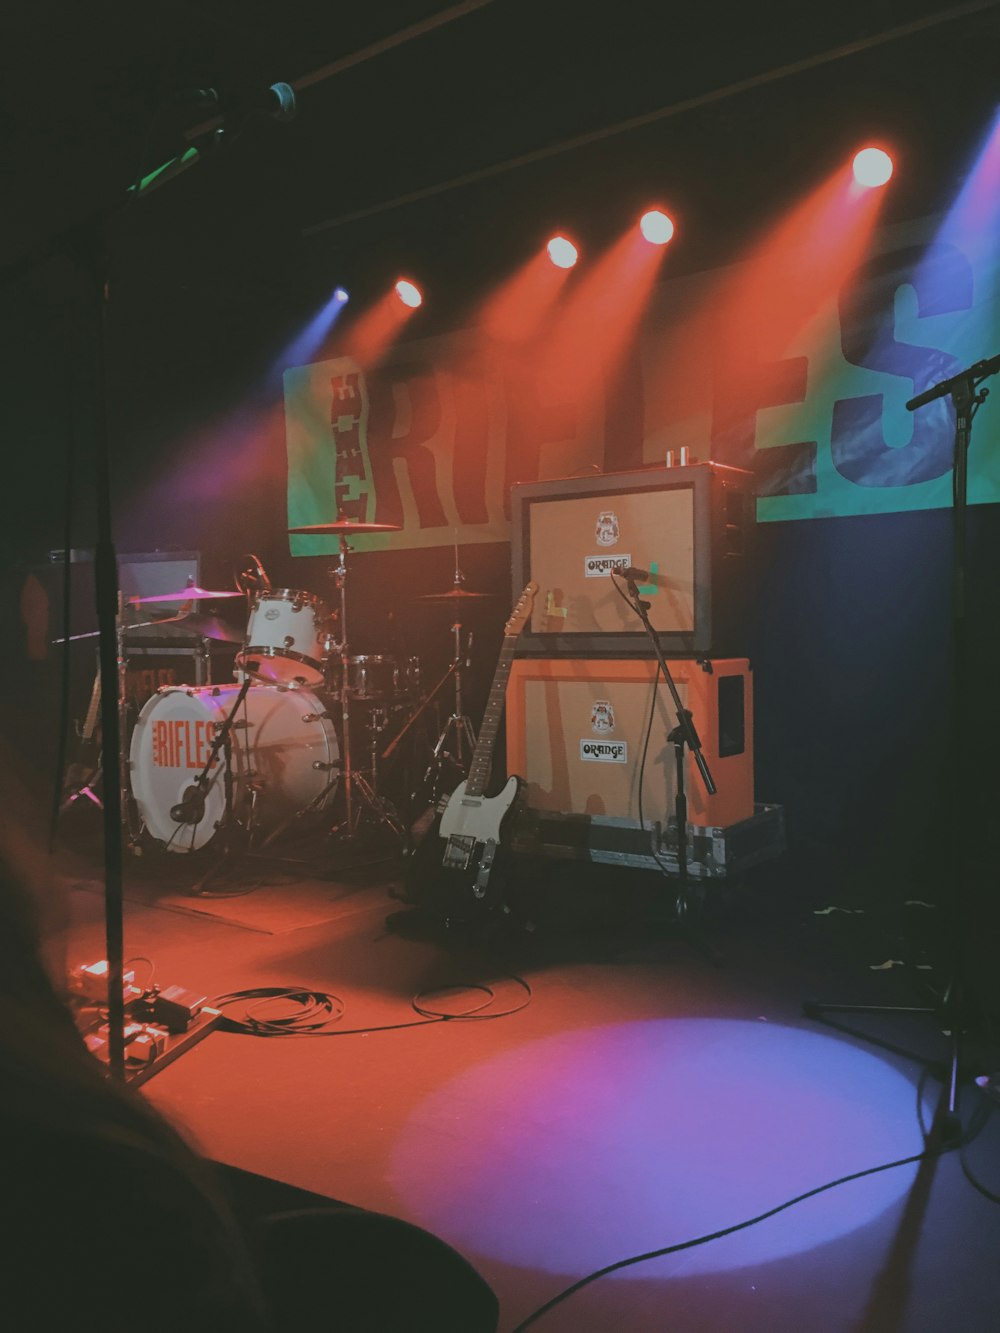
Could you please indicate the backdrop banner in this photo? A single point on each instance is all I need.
(433, 437)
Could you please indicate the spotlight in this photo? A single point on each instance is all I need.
(409, 293)
(562, 252)
(872, 167)
(656, 226)
(342, 295)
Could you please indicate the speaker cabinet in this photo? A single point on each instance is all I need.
(687, 528)
(576, 732)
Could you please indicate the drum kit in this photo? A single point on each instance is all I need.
(210, 765)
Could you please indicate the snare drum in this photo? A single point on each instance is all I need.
(372, 677)
(283, 752)
(375, 677)
(285, 642)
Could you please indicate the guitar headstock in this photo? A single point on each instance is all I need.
(521, 613)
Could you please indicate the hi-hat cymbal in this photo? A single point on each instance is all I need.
(191, 594)
(455, 595)
(212, 628)
(343, 527)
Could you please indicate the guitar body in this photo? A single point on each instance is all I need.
(472, 827)
(459, 875)
(82, 779)
(454, 870)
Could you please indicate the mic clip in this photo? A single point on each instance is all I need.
(191, 807)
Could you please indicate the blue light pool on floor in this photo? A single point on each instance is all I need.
(576, 1150)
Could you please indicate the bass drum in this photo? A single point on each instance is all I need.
(284, 760)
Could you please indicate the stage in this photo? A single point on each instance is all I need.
(659, 1084)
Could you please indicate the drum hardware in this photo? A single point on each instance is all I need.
(210, 627)
(375, 678)
(191, 807)
(455, 595)
(275, 767)
(255, 577)
(343, 527)
(360, 796)
(285, 641)
(192, 593)
(124, 703)
(457, 725)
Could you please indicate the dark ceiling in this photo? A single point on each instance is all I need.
(86, 86)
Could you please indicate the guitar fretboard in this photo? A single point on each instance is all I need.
(479, 768)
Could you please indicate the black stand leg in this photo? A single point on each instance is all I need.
(676, 739)
(684, 734)
(191, 807)
(954, 1012)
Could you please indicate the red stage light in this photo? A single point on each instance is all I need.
(409, 293)
(656, 226)
(562, 252)
(872, 167)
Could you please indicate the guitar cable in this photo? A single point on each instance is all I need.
(932, 1149)
(312, 1013)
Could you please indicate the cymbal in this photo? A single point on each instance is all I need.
(191, 594)
(455, 595)
(213, 628)
(343, 527)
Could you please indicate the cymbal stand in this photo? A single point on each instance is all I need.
(360, 797)
(458, 725)
(129, 820)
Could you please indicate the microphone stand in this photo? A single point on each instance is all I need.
(191, 807)
(87, 244)
(953, 1009)
(683, 735)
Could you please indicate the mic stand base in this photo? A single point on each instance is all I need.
(953, 1013)
(683, 735)
(950, 1020)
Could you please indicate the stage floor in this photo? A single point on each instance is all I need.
(657, 1087)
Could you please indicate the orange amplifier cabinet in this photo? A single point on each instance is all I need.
(575, 733)
(687, 528)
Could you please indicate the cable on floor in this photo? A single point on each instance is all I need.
(313, 1013)
(728, 1231)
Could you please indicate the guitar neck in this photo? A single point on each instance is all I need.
(479, 768)
(90, 721)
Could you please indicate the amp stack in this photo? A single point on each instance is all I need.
(588, 715)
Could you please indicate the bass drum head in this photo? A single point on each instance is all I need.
(284, 757)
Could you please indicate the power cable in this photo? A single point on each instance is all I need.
(313, 1012)
(725, 1231)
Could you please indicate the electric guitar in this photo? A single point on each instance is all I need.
(84, 774)
(460, 851)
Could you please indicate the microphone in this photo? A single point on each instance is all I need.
(278, 101)
(633, 572)
(979, 371)
(190, 809)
